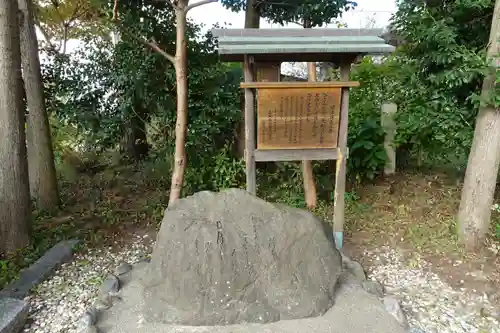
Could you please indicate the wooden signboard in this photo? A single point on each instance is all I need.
(298, 118)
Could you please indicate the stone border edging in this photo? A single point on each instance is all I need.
(13, 308)
(13, 314)
(40, 270)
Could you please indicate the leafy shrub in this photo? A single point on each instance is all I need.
(366, 135)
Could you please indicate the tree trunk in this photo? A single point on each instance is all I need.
(252, 20)
(182, 103)
(252, 15)
(42, 173)
(14, 185)
(482, 168)
(307, 170)
(135, 144)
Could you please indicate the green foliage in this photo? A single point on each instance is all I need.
(443, 63)
(104, 87)
(366, 136)
(281, 182)
(496, 220)
(228, 171)
(62, 20)
(98, 93)
(8, 271)
(312, 12)
(42, 240)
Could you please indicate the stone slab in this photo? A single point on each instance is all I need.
(355, 311)
(13, 314)
(40, 270)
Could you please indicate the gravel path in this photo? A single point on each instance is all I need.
(59, 302)
(430, 304)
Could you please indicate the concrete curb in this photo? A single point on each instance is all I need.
(13, 314)
(40, 270)
(13, 309)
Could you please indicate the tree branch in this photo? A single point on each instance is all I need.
(269, 3)
(152, 44)
(199, 3)
(75, 12)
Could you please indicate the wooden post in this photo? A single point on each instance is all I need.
(340, 177)
(249, 127)
(389, 125)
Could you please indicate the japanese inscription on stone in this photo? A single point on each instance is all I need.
(298, 118)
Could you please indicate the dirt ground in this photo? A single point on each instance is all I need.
(416, 213)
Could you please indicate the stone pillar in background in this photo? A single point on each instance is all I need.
(389, 125)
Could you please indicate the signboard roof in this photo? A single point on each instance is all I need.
(299, 44)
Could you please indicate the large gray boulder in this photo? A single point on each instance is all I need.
(230, 257)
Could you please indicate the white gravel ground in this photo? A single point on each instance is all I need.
(59, 302)
(430, 304)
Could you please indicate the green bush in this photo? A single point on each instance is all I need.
(366, 135)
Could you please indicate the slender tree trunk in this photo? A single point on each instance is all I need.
(42, 173)
(14, 185)
(182, 103)
(307, 170)
(482, 169)
(180, 62)
(252, 15)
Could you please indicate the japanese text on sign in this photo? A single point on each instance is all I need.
(298, 118)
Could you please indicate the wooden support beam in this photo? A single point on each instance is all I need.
(249, 127)
(340, 177)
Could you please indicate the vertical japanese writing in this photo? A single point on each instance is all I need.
(282, 101)
(287, 111)
(301, 115)
(270, 125)
(315, 121)
(263, 130)
(290, 121)
(274, 122)
(332, 116)
(281, 106)
(281, 111)
(296, 120)
(323, 118)
(308, 106)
